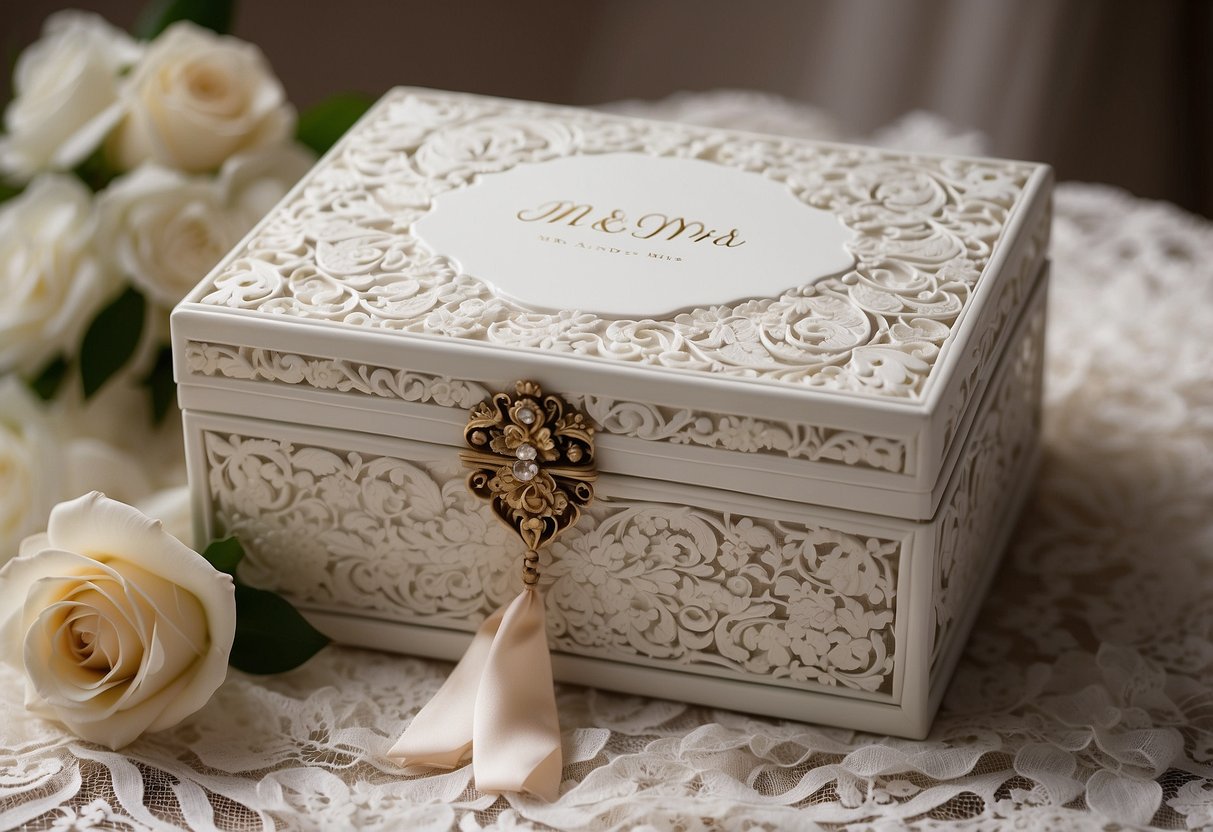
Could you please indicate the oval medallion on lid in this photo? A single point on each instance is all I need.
(632, 236)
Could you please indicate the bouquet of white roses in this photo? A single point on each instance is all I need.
(128, 167)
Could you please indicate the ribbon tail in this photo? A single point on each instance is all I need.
(440, 735)
(516, 730)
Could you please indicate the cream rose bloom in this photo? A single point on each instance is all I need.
(43, 461)
(104, 453)
(104, 423)
(171, 506)
(253, 183)
(31, 466)
(166, 230)
(118, 626)
(196, 99)
(93, 465)
(51, 280)
(65, 89)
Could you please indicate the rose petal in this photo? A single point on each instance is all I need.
(157, 713)
(121, 727)
(178, 638)
(17, 578)
(90, 135)
(93, 465)
(120, 627)
(252, 183)
(100, 527)
(94, 645)
(57, 677)
(171, 507)
(33, 543)
(54, 672)
(119, 641)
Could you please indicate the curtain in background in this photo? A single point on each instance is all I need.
(1116, 91)
(1105, 90)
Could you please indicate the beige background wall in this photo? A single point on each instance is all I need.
(1107, 90)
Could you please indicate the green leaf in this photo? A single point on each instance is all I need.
(321, 125)
(160, 385)
(158, 15)
(111, 340)
(225, 555)
(271, 635)
(48, 382)
(8, 191)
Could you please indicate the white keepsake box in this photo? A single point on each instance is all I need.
(813, 371)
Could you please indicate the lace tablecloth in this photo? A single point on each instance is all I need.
(1084, 699)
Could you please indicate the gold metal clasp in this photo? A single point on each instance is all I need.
(532, 458)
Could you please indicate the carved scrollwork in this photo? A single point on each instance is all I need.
(987, 476)
(255, 364)
(925, 231)
(688, 588)
(650, 422)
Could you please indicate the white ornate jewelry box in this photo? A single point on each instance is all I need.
(814, 369)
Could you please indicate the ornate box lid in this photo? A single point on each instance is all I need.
(794, 319)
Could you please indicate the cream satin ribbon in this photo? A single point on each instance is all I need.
(499, 705)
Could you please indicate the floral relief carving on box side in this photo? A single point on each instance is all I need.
(624, 418)
(923, 232)
(993, 466)
(255, 364)
(744, 433)
(681, 587)
(1009, 303)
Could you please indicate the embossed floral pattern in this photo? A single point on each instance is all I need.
(251, 364)
(696, 589)
(925, 230)
(693, 588)
(986, 476)
(635, 419)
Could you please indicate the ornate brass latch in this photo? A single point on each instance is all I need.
(532, 458)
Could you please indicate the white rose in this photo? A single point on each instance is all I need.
(104, 453)
(51, 280)
(93, 465)
(171, 506)
(165, 230)
(31, 466)
(119, 627)
(198, 98)
(42, 461)
(65, 94)
(253, 183)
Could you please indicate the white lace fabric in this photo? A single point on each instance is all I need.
(1084, 699)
